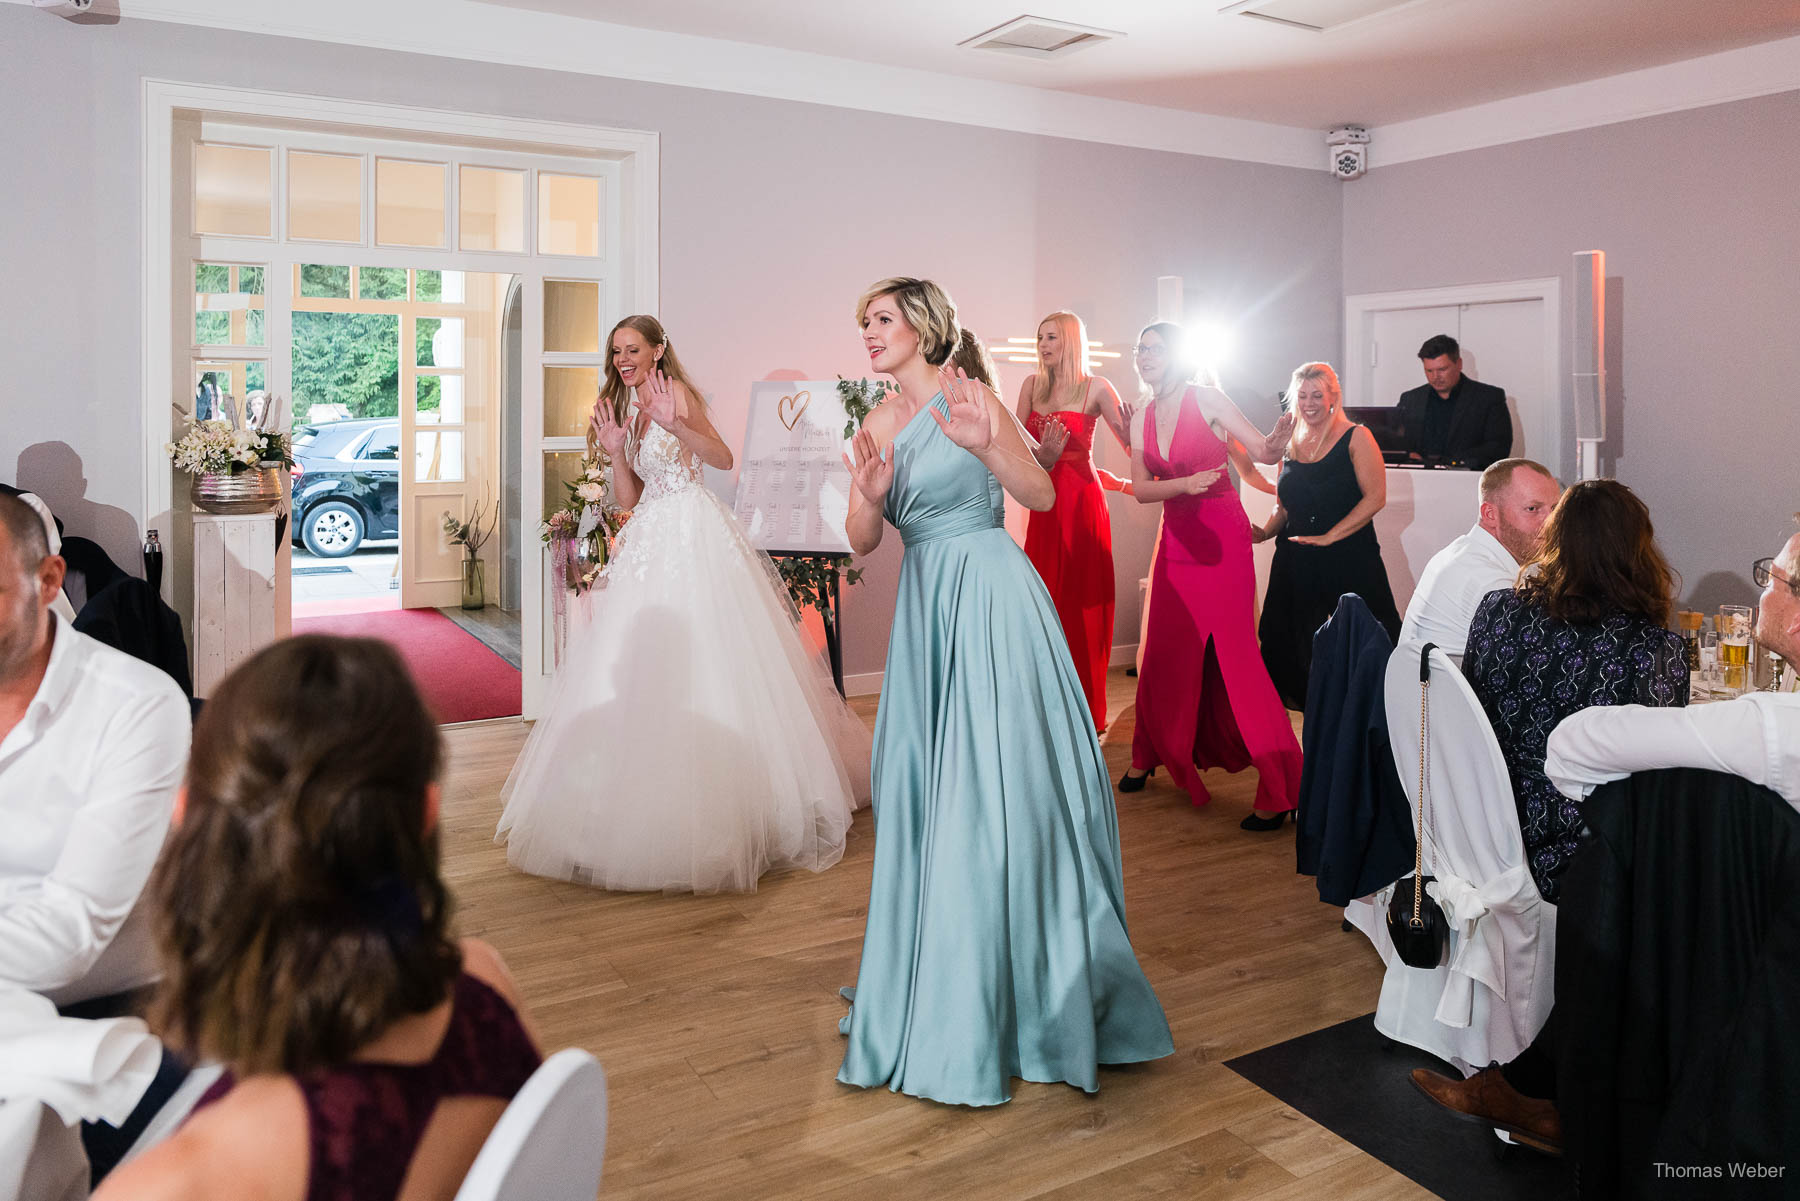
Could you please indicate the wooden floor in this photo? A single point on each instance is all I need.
(716, 1018)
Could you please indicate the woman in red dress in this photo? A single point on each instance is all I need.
(1071, 545)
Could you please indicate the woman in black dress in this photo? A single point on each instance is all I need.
(1332, 483)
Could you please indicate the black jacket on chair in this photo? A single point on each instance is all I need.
(128, 615)
(1354, 830)
(1480, 428)
(1678, 989)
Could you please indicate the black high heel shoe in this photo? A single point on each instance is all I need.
(1254, 822)
(1131, 783)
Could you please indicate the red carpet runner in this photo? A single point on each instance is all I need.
(461, 679)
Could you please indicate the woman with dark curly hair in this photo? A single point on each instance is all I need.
(303, 928)
(1584, 627)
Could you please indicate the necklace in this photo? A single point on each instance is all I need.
(1310, 444)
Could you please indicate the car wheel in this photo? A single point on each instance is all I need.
(332, 529)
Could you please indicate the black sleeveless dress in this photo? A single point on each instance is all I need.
(1306, 581)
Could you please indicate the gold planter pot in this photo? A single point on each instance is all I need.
(253, 490)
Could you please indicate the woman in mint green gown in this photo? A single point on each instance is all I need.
(996, 944)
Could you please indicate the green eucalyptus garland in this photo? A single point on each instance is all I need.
(809, 579)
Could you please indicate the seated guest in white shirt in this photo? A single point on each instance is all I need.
(53, 536)
(1756, 736)
(92, 747)
(1516, 498)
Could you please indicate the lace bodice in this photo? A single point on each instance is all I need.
(663, 464)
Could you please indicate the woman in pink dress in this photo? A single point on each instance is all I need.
(1203, 697)
(1071, 544)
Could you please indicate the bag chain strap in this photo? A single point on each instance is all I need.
(1418, 922)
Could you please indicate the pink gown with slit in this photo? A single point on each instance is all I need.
(1204, 698)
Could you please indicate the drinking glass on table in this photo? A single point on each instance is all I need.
(1734, 646)
(1709, 674)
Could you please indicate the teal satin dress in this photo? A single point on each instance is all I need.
(996, 944)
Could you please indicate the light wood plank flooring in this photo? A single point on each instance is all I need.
(716, 1018)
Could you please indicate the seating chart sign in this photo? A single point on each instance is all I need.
(793, 490)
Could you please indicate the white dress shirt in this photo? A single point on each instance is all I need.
(87, 787)
(1756, 736)
(1450, 590)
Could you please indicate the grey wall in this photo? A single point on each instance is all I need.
(1696, 212)
(775, 215)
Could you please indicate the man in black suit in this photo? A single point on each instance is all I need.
(1454, 420)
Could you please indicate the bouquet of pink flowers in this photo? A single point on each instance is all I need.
(580, 533)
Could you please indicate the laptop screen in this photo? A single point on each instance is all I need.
(1384, 422)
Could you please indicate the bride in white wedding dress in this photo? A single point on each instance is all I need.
(690, 741)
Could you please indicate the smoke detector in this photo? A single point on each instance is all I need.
(1035, 37)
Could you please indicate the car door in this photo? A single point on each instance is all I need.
(380, 466)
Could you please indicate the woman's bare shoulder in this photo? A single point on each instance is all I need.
(250, 1144)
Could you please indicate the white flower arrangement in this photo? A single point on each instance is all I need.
(214, 447)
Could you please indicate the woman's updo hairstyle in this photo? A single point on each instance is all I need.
(926, 308)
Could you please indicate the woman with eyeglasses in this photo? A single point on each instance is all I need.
(1071, 544)
(1203, 697)
(1332, 483)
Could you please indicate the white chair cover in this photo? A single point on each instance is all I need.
(1490, 998)
(549, 1144)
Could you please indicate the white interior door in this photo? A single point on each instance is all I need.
(1503, 345)
(449, 436)
(1395, 336)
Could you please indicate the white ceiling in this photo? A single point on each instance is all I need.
(1424, 58)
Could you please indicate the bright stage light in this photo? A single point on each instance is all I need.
(1209, 346)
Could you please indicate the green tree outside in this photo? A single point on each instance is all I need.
(352, 359)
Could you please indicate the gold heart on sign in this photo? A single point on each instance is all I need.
(790, 408)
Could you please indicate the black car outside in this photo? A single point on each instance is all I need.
(346, 484)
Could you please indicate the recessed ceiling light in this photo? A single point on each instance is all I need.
(1035, 37)
(1319, 16)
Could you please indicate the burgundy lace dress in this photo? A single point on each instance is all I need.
(365, 1120)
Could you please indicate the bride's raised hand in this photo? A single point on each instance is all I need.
(607, 433)
(971, 422)
(662, 400)
(873, 470)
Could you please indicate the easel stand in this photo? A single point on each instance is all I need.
(834, 645)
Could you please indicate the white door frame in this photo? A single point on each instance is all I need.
(636, 151)
(1360, 309)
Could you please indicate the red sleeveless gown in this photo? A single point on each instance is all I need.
(1071, 546)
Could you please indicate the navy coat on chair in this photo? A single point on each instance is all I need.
(1354, 827)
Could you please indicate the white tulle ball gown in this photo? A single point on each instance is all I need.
(691, 741)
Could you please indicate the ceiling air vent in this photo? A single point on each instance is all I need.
(1320, 16)
(1035, 37)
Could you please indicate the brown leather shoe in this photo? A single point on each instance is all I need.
(1487, 1097)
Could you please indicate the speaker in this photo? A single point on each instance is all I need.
(1588, 346)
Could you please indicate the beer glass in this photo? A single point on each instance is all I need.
(1734, 646)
